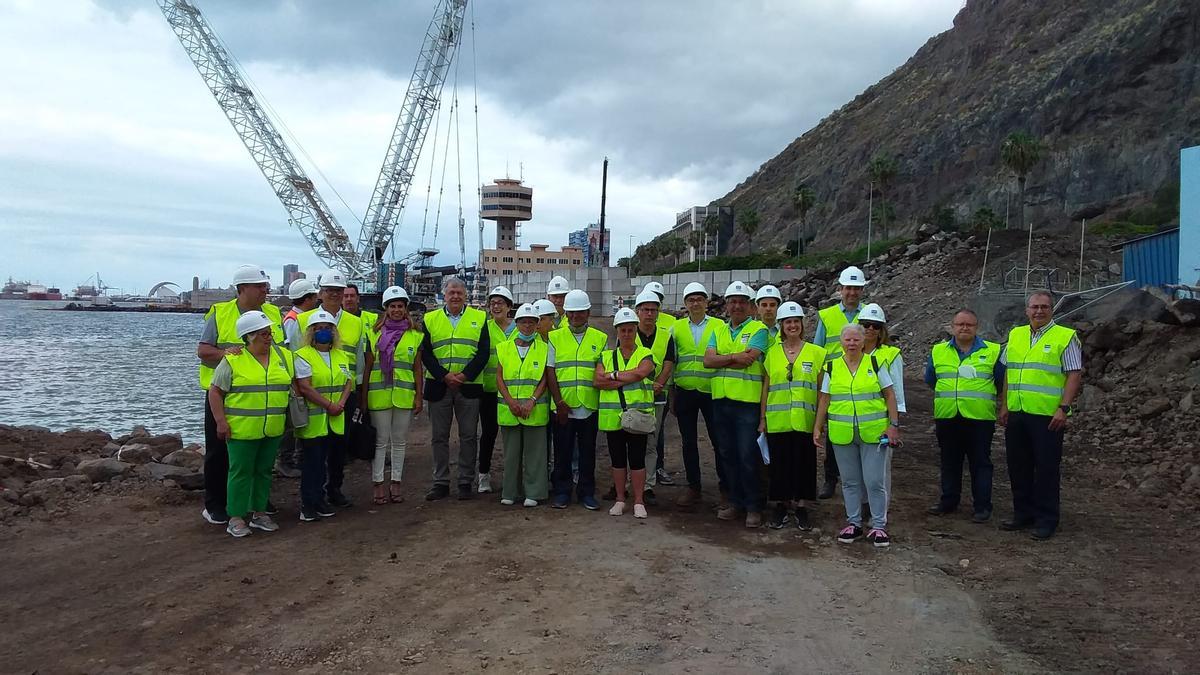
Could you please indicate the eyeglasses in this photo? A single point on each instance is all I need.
(789, 370)
(872, 326)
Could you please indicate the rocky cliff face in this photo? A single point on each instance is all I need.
(1112, 87)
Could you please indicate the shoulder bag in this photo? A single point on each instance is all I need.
(633, 421)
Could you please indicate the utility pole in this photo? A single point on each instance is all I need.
(602, 254)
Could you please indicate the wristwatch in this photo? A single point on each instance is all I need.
(894, 423)
(1067, 408)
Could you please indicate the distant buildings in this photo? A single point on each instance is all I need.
(694, 219)
(290, 274)
(507, 202)
(588, 240)
(390, 274)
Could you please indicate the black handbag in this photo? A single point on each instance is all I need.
(360, 436)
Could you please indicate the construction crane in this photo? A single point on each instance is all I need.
(306, 208)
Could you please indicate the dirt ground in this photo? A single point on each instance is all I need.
(139, 583)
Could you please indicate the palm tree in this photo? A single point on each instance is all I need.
(883, 169)
(748, 221)
(804, 198)
(712, 227)
(1020, 152)
(676, 246)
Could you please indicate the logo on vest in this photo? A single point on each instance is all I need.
(807, 367)
(1046, 349)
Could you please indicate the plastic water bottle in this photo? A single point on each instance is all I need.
(884, 443)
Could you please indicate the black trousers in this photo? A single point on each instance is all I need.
(689, 404)
(831, 467)
(959, 438)
(1034, 455)
(216, 464)
(337, 451)
(489, 429)
(627, 450)
(575, 435)
(314, 453)
(793, 469)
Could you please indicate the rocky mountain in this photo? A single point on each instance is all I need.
(1111, 87)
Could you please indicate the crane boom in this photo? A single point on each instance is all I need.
(420, 103)
(305, 207)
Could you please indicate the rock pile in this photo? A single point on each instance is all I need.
(42, 470)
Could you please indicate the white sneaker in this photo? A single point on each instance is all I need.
(485, 483)
(263, 522)
(639, 511)
(507, 502)
(617, 509)
(530, 502)
(238, 530)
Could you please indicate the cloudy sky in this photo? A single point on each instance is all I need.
(115, 159)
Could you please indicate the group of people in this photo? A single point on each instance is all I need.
(543, 378)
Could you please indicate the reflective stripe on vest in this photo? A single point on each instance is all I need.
(226, 314)
(402, 391)
(329, 381)
(638, 395)
(738, 384)
(834, 320)
(454, 345)
(690, 372)
(350, 329)
(1036, 380)
(575, 366)
(521, 377)
(792, 406)
(885, 355)
(257, 400)
(496, 335)
(973, 398)
(855, 399)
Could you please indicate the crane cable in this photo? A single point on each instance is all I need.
(437, 124)
(437, 220)
(478, 171)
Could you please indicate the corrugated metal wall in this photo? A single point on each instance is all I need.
(1153, 261)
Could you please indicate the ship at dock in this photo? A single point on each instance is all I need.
(23, 290)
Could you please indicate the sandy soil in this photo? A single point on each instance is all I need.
(138, 583)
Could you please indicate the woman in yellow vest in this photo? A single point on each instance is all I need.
(859, 404)
(624, 372)
(249, 399)
(500, 327)
(325, 378)
(877, 344)
(789, 408)
(547, 318)
(523, 411)
(392, 390)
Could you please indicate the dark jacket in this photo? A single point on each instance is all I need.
(435, 386)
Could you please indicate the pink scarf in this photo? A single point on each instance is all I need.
(389, 337)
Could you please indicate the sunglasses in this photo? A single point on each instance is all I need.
(789, 370)
(872, 326)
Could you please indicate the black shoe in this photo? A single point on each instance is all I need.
(981, 516)
(271, 509)
(611, 495)
(779, 518)
(437, 492)
(464, 492)
(1043, 533)
(340, 500)
(663, 477)
(1015, 525)
(648, 497)
(939, 510)
(827, 490)
(324, 510)
(802, 519)
(215, 517)
(308, 515)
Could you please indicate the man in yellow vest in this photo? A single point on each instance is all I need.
(829, 334)
(664, 319)
(653, 335)
(574, 351)
(220, 337)
(455, 353)
(963, 372)
(556, 293)
(767, 301)
(350, 328)
(303, 294)
(735, 350)
(352, 302)
(1044, 368)
(693, 390)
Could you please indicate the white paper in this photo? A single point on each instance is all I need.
(762, 447)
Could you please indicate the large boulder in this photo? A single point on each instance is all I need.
(185, 457)
(165, 471)
(136, 453)
(103, 469)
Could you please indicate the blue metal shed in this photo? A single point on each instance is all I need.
(1152, 260)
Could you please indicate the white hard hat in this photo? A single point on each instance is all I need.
(872, 312)
(250, 274)
(768, 291)
(852, 276)
(624, 315)
(502, 292)
(321, 316)
(739, 288)
(526, 311)
(789, 310)
(394, 293)
(647, 295)
(557, 286)
(695, 287)
(656, 287)
(544, 307)
(300, 288)
(577, 301)
(332, 279)
(251, 321)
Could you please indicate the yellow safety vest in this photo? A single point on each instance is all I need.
(402, 391)
(971, 397)
(257, 401)
(639, 395)
(835, 321)
(226, 315)
(662, 339)
(496, 335)
(521, 376)
(664, 321)
(350, 328)
(454, 345)
(792, 405)
(575, 365)
(329, 381)
(368, 319)
(885, 355)
(690, 372)
(1036, 380)
(738, 384)
(855, 399)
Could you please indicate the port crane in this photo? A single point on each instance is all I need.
(306, 209)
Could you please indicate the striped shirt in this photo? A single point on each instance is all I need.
(1072, 356)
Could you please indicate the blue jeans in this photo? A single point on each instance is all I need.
(738, 446)
(314, 453)
(864, 468)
